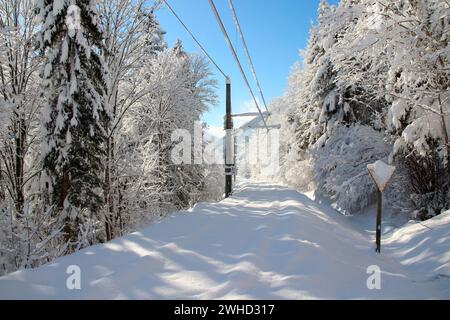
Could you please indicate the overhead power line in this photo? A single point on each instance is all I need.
(195, 39)
(238, 25)
(233, 51)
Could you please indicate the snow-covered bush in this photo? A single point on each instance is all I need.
(214, 187)
(299, 173)
(29, 239)
(340, 166)
(429, 181)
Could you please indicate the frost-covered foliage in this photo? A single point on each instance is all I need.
(379, 64)
(25, 237)
(340, 166)
(403, 47)
(88, 159)
(257, 149)
(180, 85)
(156, 90)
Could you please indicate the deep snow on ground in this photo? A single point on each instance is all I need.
(266, 242)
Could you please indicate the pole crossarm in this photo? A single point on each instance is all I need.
(275, 126)
(248, 114)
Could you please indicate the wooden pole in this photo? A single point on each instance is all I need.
(235, 158)
(379, 206)
(228, 130)
(381, 181)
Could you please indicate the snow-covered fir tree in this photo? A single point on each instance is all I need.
(76, 115)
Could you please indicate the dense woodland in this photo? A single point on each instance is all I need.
(372, 84)
(90, 94)
(89, 100)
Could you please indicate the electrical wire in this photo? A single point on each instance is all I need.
(195, 39)
(233, 51)
(238, 25)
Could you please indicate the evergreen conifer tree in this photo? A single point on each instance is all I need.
(76, 115)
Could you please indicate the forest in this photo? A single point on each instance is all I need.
(373, 83)
(90, 94)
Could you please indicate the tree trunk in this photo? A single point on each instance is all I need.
(445, 132)
(70, 234)
(19, 164)
(109, 222)
(109, 175)
(2, 192)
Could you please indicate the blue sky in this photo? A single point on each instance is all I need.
(275, 31)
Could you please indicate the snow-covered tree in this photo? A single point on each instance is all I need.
(180, 88)
(27, 231)
(76, 114)
(418, 89)
(18, 101)
(96, 164)
(132, 38)
(383, 65)
(397, 54)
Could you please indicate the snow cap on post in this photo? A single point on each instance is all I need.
(381, 173)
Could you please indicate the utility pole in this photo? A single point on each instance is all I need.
(235, 151)
(229, 158)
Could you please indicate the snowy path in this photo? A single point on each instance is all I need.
(266, 242)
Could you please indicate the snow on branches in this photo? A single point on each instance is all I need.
(381, 64)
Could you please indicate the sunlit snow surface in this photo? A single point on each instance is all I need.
(266, 242)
